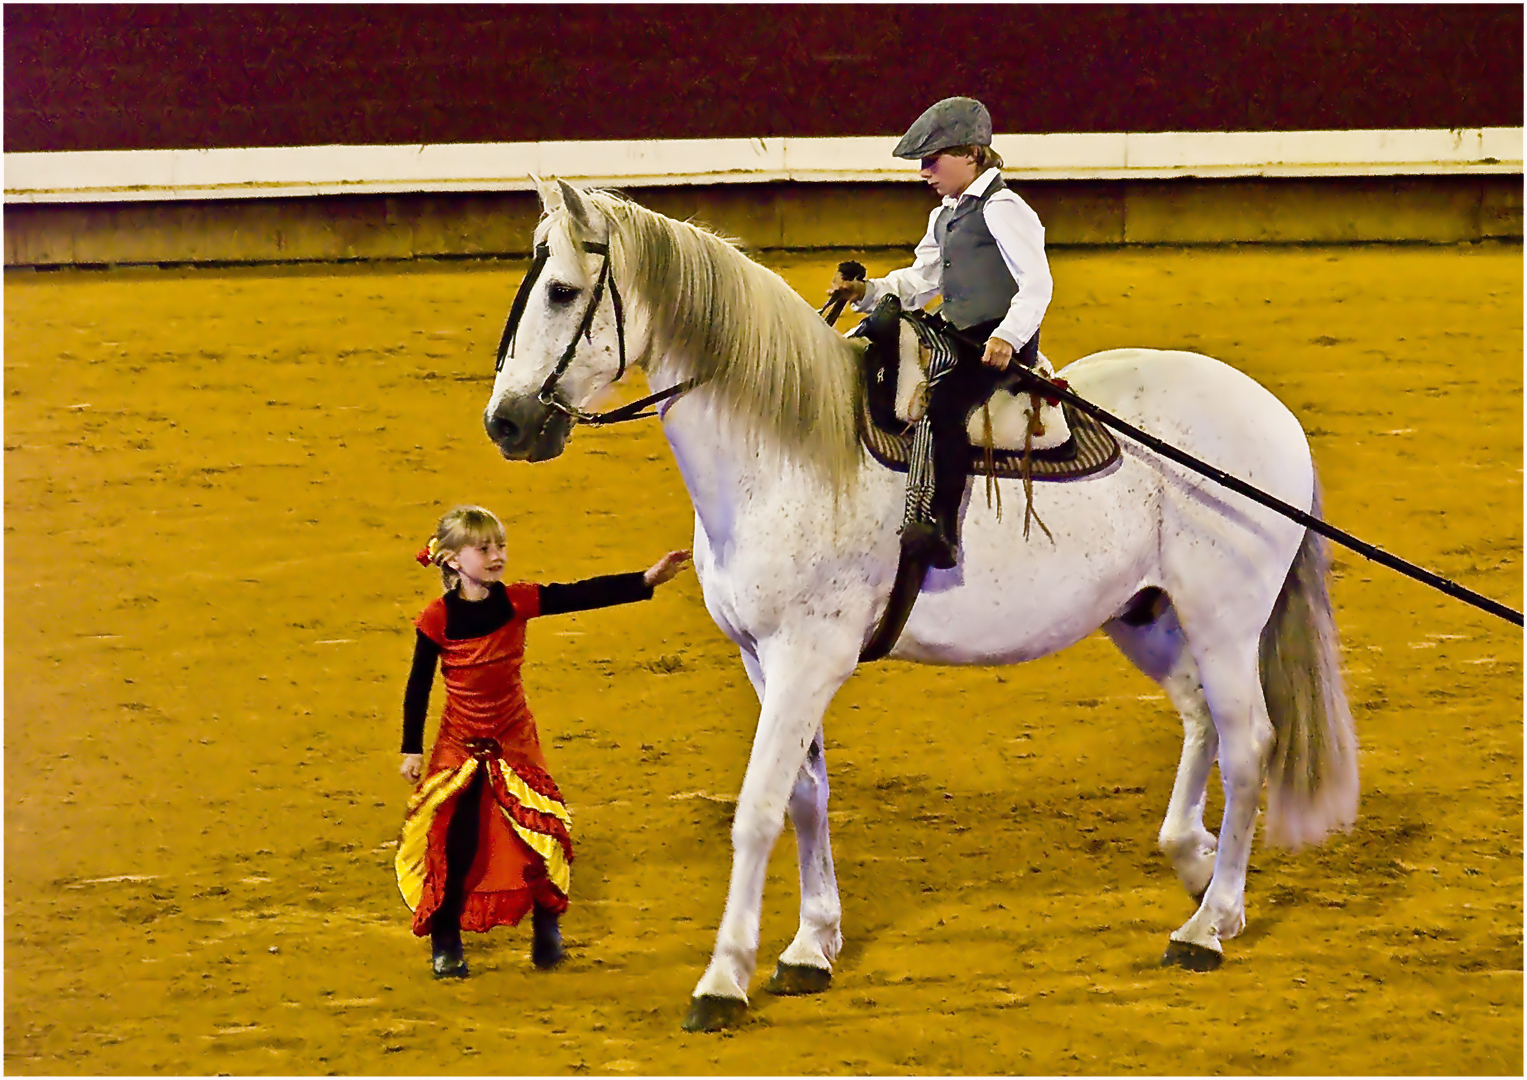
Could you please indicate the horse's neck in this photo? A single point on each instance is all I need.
(724, 474)
(714, 473)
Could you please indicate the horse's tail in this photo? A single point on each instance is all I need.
(1312, 772)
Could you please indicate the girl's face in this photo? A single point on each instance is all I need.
(481, 563)
(948, 174)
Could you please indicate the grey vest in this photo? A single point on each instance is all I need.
(977, 286)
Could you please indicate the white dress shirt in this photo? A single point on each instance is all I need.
(1021, 240)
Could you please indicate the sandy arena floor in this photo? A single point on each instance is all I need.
(215, 482)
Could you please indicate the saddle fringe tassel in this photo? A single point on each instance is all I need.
(989, 459)
(993, 490)
(1028, 478)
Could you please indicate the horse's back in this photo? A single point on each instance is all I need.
(1204, 407)
(1172, 375)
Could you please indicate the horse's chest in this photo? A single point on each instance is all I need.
(754, 590)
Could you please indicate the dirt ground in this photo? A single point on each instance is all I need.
(215, 482)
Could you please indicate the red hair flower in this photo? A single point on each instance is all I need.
(426, 554)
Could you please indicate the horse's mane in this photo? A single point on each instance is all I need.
(784, 376)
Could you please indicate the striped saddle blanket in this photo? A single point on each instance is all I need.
(1068, 445)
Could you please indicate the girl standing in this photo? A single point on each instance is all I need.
(485, 837)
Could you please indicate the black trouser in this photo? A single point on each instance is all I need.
(460, 851)
(951, 399)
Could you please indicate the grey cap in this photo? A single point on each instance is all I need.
(955, 121)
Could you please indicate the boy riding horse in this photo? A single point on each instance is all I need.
(984, 254)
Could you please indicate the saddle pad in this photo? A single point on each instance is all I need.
(1091, 448)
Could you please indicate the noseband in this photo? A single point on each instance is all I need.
(545, 395)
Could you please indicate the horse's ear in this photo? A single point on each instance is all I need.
(576, 208)
(550, 194)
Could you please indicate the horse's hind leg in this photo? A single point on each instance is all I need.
(1159, 649)
(1234, 693)
(806, 966)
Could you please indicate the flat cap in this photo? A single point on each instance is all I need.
(955, 121)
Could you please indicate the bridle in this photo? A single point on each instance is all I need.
(585, 325)
(545, 395)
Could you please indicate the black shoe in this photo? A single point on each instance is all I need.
(925, 541)
(546, 950)
(449, 966)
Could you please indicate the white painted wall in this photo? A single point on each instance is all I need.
(142, 175)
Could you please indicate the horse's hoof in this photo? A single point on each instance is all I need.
(709, 1012)
(1190, 957)
(799, 979)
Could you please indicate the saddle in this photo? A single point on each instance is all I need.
(1014, 434)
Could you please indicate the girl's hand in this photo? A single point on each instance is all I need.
(412, 767)
(666, 567)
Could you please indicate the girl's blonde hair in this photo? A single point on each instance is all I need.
(461, 527)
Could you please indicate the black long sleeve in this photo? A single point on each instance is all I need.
(416, 696)
(476, 618)
(596, 592)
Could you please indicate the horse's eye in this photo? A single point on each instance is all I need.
(560, 293)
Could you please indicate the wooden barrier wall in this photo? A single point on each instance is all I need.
(1438, 209)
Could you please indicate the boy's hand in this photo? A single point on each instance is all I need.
(412, 767)
(998, 353)
(852, 291)
(666, 567)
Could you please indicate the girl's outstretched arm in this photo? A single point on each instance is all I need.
(598, 592)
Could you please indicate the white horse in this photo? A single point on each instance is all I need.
(1221, 601)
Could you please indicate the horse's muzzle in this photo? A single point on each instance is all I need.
(523, 429)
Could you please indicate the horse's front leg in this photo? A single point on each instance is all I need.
(806, 966)
(800, 677)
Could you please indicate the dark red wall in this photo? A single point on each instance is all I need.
(127, 77)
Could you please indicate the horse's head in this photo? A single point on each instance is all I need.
(565, 339)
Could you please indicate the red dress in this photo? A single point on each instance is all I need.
(524, 847)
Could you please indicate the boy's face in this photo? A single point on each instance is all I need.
(948, 174)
